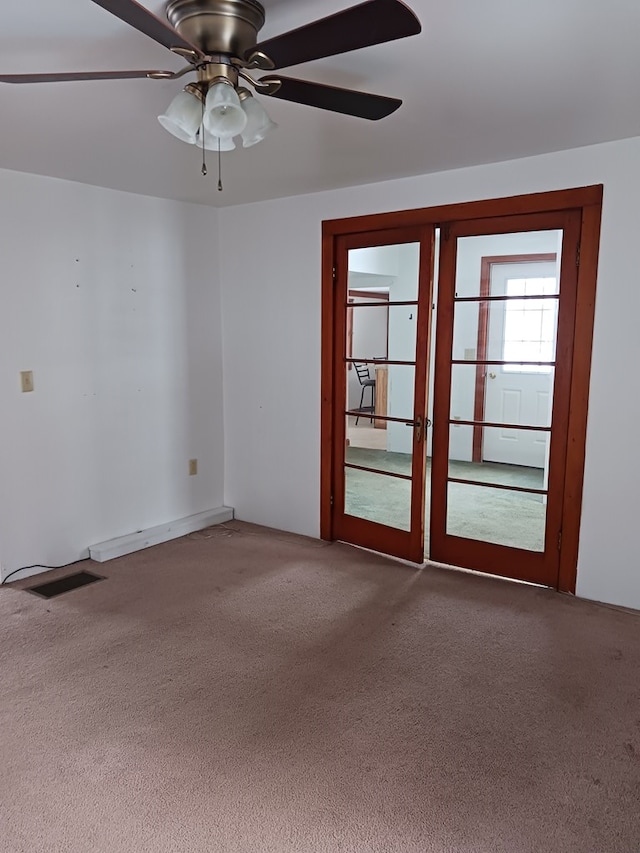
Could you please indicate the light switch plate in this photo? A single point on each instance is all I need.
(26, 380)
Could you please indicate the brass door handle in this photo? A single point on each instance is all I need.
(492, 376)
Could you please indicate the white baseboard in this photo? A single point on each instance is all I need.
(122, 545)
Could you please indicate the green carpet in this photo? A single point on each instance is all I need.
(474, 512)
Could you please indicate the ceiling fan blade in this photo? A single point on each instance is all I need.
(373, 22)
(146, 22)
(82, 75)
(347, 101)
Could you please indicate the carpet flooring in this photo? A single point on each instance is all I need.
(516, 519)
(243, 690)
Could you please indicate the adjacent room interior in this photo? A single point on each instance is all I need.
(241, 382)
(517, 330)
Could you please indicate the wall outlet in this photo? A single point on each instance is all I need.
(193, 467)
(26, 380)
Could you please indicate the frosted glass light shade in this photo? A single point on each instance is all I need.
(258, 122)
(183, 117)
(223, 117)
(211, 141)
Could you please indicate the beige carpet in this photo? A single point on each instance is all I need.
(250, 691)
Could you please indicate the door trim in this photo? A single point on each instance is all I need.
(586, 199)
(570, 199)
(579, 401)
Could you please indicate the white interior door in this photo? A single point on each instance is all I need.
(521, 331)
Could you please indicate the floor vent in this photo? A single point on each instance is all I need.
(53, 588)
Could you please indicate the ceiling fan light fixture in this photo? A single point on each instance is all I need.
(183, 117)
(211, 141)
(219, 41)
(224, 117)
(259, 123)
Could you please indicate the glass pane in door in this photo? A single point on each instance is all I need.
(517, 330)
(376, 497)
(382, 331)
(472, 251)
(376, 443)
(516, 519)
(525, 477)
(469, 386)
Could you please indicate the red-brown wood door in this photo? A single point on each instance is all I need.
(503, 517)
(380, 364)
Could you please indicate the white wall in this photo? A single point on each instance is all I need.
(271, 320)
(113, 301)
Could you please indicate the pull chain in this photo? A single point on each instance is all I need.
(219, 168)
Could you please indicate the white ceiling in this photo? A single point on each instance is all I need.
(487, 80)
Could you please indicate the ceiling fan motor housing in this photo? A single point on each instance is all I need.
(218, 26)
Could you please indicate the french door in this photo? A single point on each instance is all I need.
(510, 382)
(379, 393)
(503, 516)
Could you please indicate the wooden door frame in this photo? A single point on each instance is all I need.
(588, 200)
(408, 543)
(487, 262)
(456, 549)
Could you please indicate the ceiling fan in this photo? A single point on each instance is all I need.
(219, 41)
